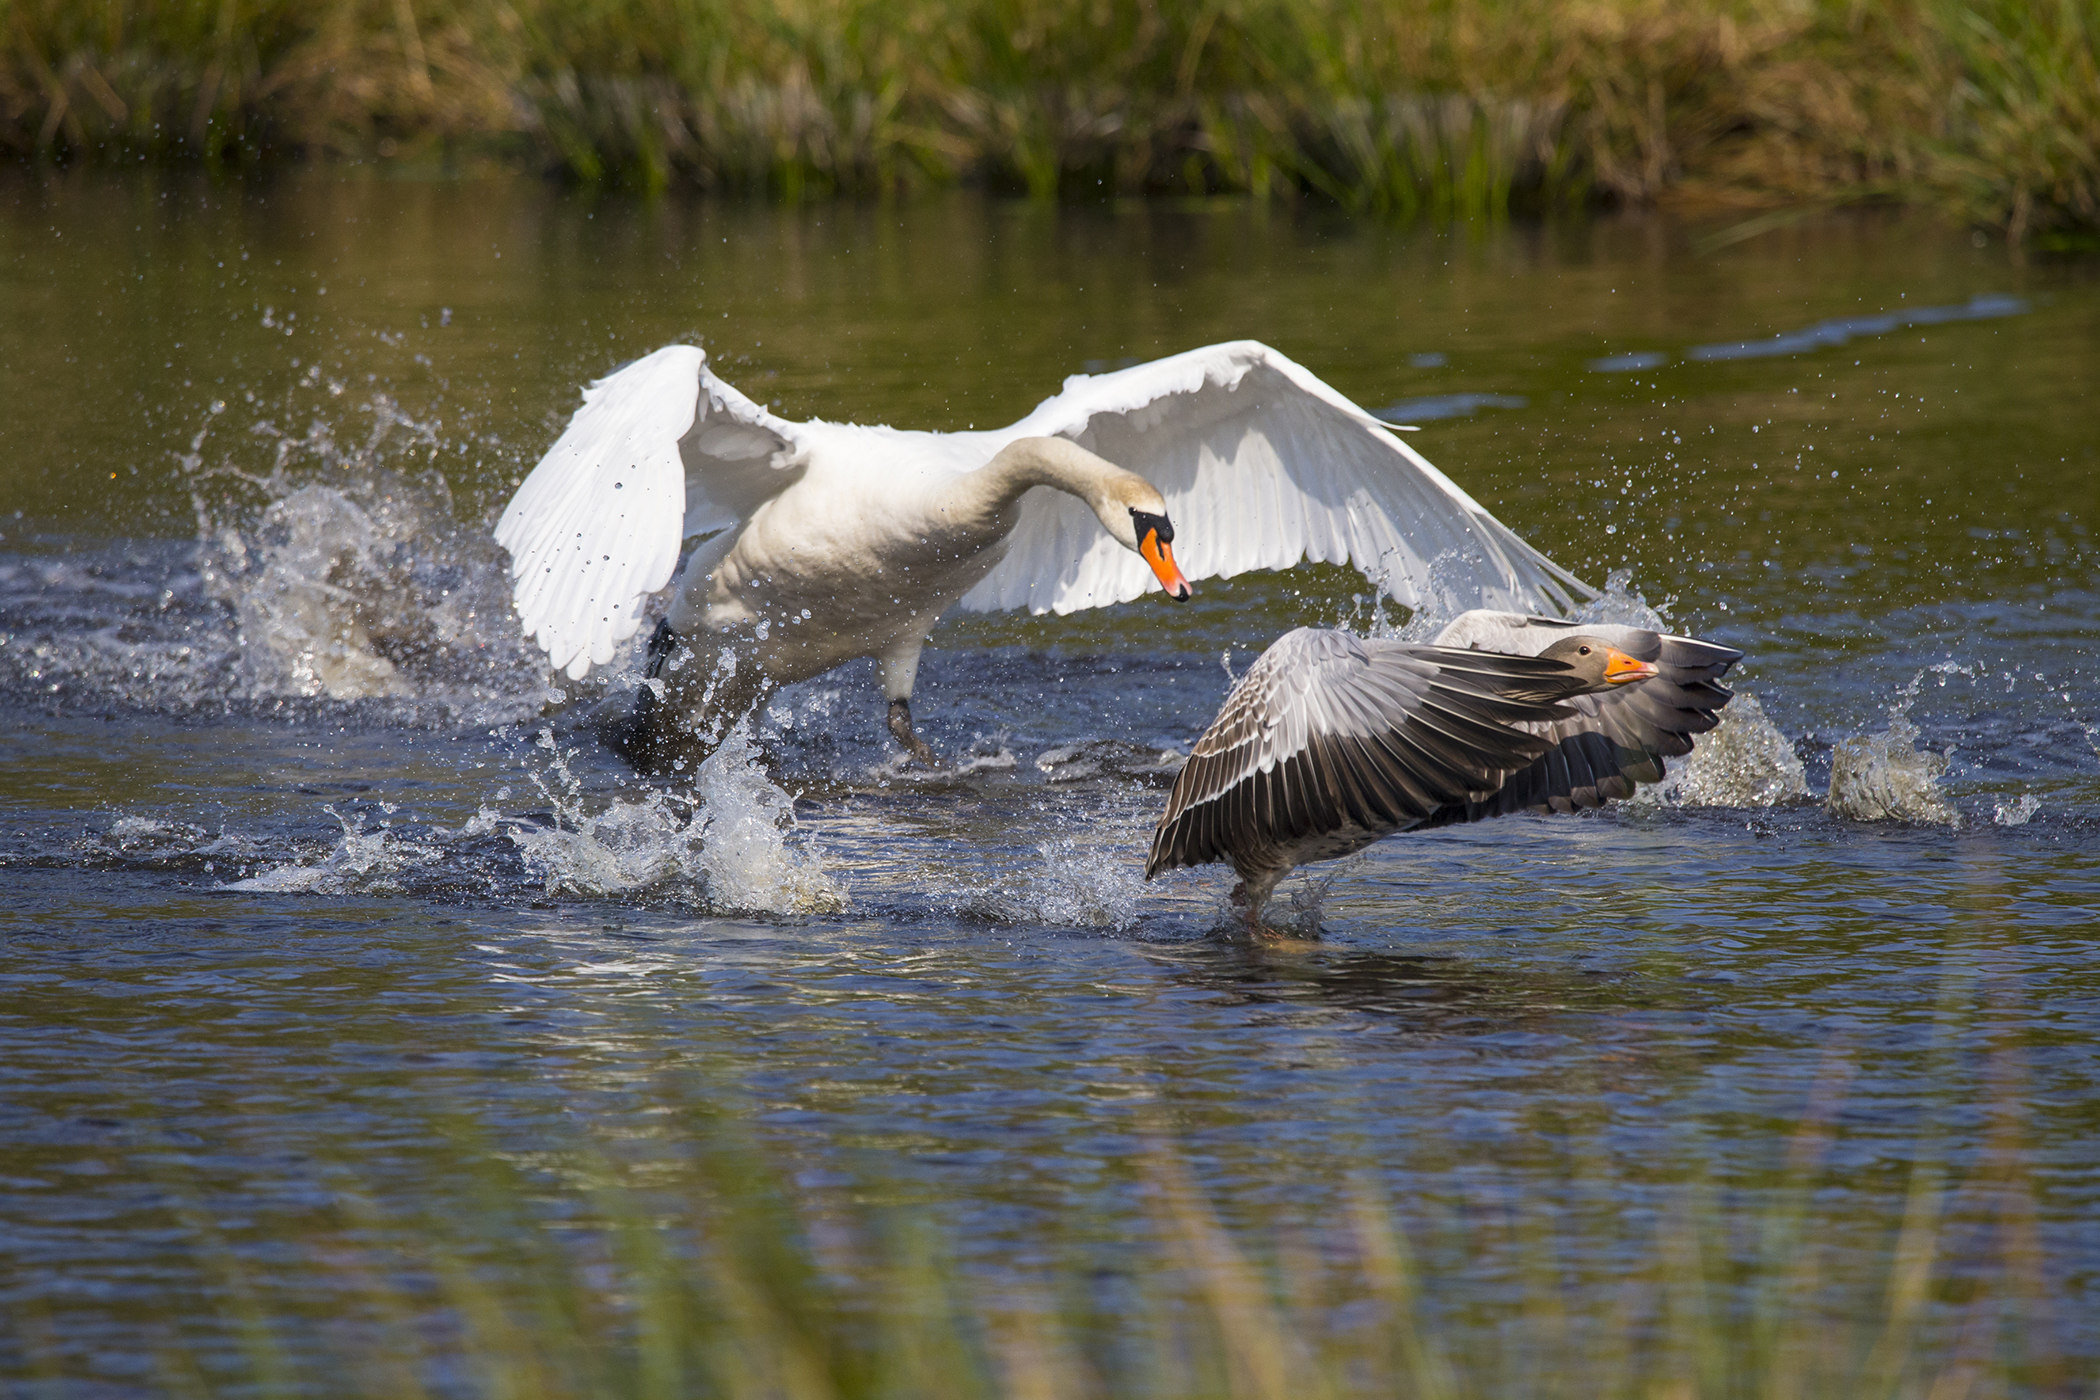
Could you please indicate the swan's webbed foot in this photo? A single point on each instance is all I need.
(900, 727)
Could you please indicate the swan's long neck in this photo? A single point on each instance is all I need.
(1046, 461)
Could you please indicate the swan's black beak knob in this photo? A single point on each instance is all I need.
(1156, 546)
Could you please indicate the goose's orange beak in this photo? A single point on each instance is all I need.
(1619, 668)
(1160, 555)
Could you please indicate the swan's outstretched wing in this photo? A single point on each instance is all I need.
(1262, 465)
(660, 449)
(1336, 739)
(1614, 740)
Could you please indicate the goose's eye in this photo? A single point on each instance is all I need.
(1585, 651)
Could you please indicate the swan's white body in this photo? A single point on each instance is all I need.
(874, 532)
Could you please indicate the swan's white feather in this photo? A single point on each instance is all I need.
(660, 449)
(1262, 465)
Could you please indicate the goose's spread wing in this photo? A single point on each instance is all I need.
(1329, 733)
(1612, 740)
(1262, 465)
(660, 449)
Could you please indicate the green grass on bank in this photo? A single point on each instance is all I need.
(1472, 107)
(689, 1258)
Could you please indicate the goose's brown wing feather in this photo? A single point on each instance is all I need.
(1330, 733)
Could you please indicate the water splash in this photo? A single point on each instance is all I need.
(99, 624)
(136, 840)
(375, 861)
(987, 755)
(1886, 776)
(1621, 605)
(728, 844)
(1742, 762)
(1308, 899)
(2089, 728)
(1618, 604)
(1081, 885)
(1294, 912)
(2017, 812)
(1074, 884)
(349, 577)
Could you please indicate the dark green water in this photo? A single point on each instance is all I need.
(289, 921)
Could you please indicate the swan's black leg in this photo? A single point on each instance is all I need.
(662, 642)
(643, 736)
(900, 726)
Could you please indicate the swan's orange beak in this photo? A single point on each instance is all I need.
(1160, 555)
(1619, 668)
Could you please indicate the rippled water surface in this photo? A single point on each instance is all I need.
(314, 873)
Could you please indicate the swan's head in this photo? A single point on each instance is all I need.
(1136, 514)
(1597, 662)
(1130, 508)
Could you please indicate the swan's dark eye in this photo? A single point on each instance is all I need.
(1585, 651)
(1145, 520)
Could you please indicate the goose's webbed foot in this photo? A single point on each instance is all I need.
(1242, 899)
(1250, 905)
(900, 727)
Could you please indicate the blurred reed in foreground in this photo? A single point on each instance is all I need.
(1469, 107)
(690, 1259)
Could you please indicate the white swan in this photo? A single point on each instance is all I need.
(821, 542)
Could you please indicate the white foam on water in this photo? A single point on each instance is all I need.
(897, 766)
(137, 838)
(728, 844)
(1744, 761)
(363, 862)
(1886, 776)
(2017, 812)
(152, 838)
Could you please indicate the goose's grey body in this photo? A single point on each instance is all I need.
(1331, 741)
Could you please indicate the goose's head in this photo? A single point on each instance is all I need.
(1598, 662)
(1136, 515)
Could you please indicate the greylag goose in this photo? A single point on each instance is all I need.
(1330, 741)
(820, 542)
